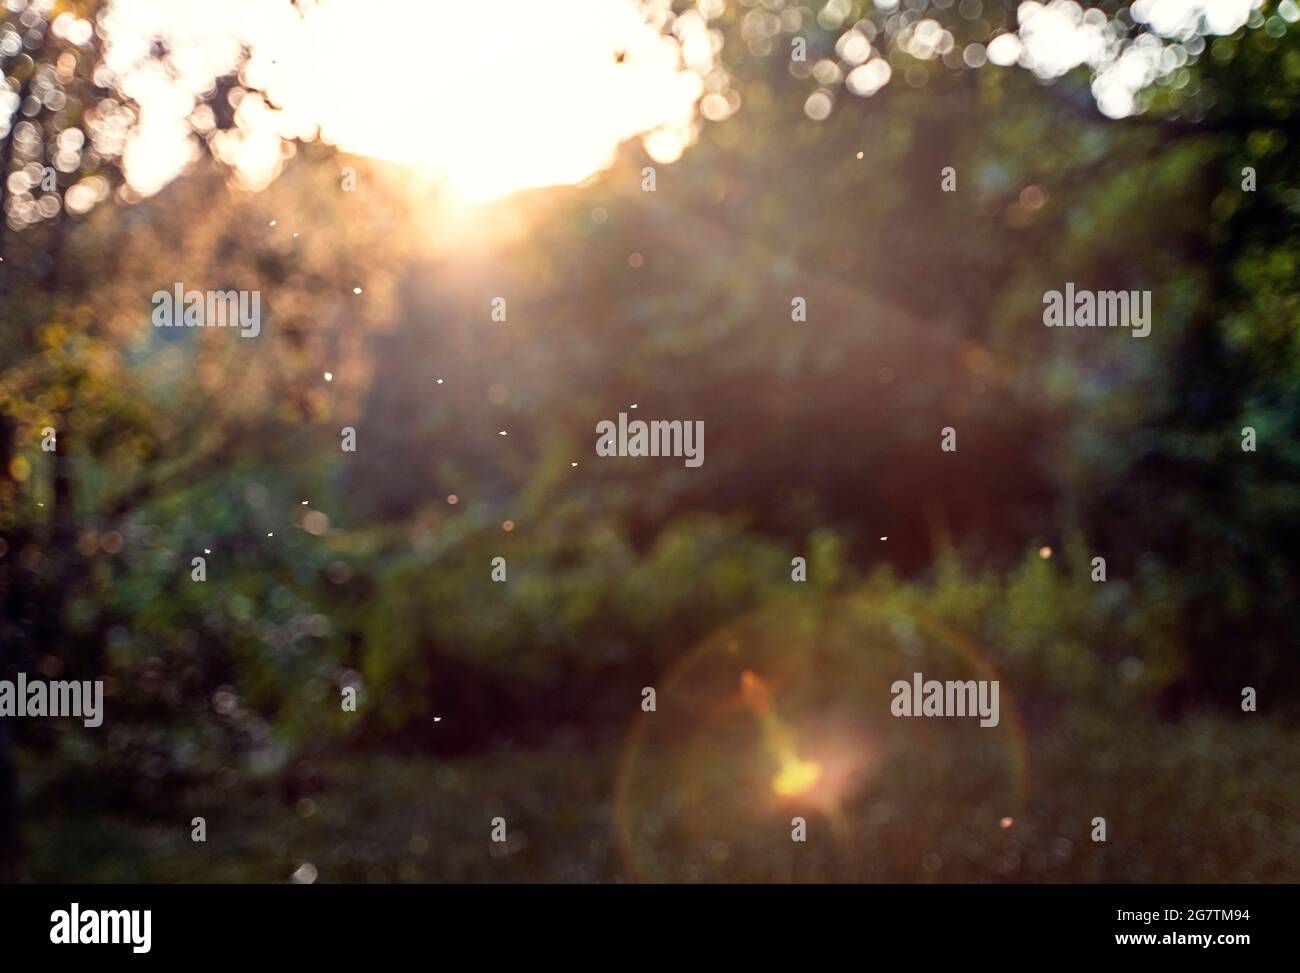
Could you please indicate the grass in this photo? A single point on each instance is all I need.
(1205, 800)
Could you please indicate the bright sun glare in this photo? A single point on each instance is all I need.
(435, 84)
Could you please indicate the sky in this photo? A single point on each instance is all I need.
(495, 96)
(532, 93)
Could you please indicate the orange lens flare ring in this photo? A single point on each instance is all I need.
(817, 776)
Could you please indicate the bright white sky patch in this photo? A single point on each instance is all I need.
(1061, 35)
(533, 94)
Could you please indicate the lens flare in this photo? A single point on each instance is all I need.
(796, 776)
(786, 713)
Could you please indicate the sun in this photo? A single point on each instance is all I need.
(489, 97)
(539, 93)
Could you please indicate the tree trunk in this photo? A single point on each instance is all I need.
(9, 845)
(11, 607)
